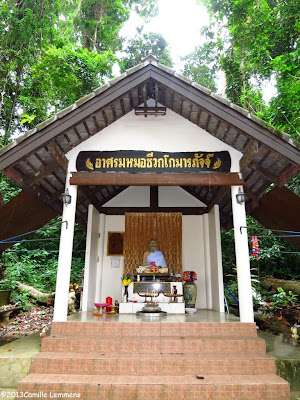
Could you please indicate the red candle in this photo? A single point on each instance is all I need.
(108, 301)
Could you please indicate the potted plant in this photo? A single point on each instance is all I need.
(4, 293)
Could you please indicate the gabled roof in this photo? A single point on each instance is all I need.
(37, 161)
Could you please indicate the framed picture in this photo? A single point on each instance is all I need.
(115, 242)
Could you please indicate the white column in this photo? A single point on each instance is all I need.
(207, 262)
(242, 258)
(90, 256)
(216, 260)
(101, 254)
(65, 256)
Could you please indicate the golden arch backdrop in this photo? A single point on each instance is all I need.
(140, 228)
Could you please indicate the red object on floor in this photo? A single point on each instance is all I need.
(108, 301)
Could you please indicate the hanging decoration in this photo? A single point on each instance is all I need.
(255, 247)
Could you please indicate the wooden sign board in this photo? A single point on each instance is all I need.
(154, 161)
(115, 243)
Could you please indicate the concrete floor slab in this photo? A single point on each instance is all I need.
(15, 359)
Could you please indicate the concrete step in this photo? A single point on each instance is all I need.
(124, 364)
(179, 387)
(153, 344)
(160, 328)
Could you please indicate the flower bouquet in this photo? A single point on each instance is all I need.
(126, 282)
(189, 276)
(153, 268)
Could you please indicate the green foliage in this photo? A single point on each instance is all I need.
(281, 298)
(61, 77)
(260, 41)
(294, 184)
(202, 65)
(146, 9)
(143, 45)
(27, 118)
(284, 108)
(53, 53)
(96, 23)
(273, 259)
(34, 260)
(22, 298)
(276, 257)
(9, 188)
(26, 27)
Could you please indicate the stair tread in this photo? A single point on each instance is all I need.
(156, 356)
(154, 379)
(153, 337)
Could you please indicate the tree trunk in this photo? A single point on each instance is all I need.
(44, 298)
(47, 298)
(275, 283)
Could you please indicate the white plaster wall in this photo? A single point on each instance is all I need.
(109, 279)
(168, 196)
(192, 257)
(193, 253)
(133, 196)
(171, 133)
(201, 252)
(174, 196)
(111, 284)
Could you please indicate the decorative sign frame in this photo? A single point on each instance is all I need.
(115, 243)
(148, 287)
(153, 161)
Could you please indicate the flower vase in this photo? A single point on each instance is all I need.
(125, 297)
(190, 294)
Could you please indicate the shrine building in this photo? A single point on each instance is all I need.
(151, 155)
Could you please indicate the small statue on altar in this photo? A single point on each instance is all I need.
(154, 256)
(295, 335)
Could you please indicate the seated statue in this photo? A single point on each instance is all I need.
(154, 255)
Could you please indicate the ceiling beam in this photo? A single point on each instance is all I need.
(183, 210)
(266, 173)
(16, 176)
(248, 155)
(56, 195)
(58, 155)
(154, 196)
(218, 197)
(37, 177)
(89, 197)
(287, 174)
(148, 179)
(253, 197)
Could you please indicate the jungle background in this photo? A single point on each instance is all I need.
(54, 52)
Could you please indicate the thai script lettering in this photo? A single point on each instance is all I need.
(131, 160)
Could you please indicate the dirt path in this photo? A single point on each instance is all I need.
(25, 323)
